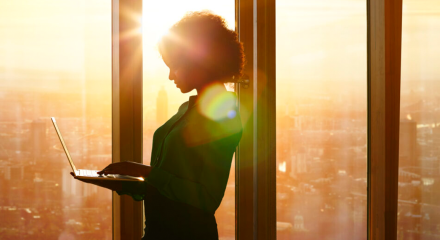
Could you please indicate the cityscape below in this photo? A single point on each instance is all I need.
(55, 61)
(321, 169)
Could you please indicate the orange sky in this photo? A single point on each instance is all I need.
(62, 35)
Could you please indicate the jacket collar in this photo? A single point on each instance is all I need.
(192, 101)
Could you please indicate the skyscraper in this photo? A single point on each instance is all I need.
(162, 107)
(408, 143)
(38, 140)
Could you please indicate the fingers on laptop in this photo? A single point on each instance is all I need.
(107, 170)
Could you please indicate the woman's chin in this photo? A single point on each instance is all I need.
(184, 90)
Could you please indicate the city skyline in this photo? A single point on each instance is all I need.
(63, 69)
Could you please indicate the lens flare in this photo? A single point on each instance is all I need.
(217, 104)
(215, 117)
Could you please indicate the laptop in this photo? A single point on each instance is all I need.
(91, 174)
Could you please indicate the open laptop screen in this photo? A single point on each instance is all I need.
(64, 145)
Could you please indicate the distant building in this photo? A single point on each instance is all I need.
(73, 187)
(297, 122)
(298, 224)
(298, 163)
(38, 140)
(162, 107)
(408, 143)
(14, 173)
(68, 184)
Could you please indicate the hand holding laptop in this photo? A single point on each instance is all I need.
(111, 177)
(127, 168)
(120, 168)
(112, 185)
(123, 171)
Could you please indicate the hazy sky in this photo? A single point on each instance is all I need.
(316, 40)
(49, 34)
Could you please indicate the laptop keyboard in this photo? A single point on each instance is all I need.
(94, 173)
(88, 173)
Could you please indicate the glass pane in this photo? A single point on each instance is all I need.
(161, 99)
(419, 171)
(55, 61)
(321, 119)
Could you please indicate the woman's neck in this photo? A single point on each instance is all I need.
(215, 87)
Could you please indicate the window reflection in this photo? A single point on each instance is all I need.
(321, 119)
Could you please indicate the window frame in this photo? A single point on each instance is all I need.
(256, 162)
(255, 158)
(384, 39)
(384, 33)
(126, 110)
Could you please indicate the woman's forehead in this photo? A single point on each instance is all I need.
(171, 58)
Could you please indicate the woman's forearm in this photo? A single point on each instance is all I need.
(144, 170)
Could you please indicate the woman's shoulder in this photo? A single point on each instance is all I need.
(214, 119)
(220, 107)
(183, 107)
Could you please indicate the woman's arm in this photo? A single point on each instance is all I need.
(123, 168)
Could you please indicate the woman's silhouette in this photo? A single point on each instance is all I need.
(192, 152)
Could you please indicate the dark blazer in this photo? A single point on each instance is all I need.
(191, 159)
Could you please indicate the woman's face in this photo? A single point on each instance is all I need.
(186, 76)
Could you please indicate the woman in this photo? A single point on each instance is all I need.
(192, 152)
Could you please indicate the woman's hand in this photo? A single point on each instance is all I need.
(127, 168)
(112, 185)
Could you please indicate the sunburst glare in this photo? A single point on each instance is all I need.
(216, 104)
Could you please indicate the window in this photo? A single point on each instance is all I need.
(419, 171)
(55, 61)
(321, 125)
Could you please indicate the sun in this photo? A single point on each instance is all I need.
(157, 19)
(159, 16)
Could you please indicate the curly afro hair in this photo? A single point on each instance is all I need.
(204, 41)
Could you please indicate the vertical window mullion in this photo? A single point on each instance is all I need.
(244, 200)
(384, 54)
(264, 99)
(256, 169)
(126, 108)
